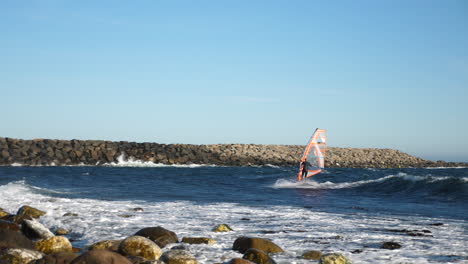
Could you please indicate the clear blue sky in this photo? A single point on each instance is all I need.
(382, 74)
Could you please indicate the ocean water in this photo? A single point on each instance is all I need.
(349, 211)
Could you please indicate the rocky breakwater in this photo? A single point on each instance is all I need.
(39, 152)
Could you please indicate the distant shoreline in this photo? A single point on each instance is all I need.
(41, 152)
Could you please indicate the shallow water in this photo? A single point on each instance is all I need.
(340, 210)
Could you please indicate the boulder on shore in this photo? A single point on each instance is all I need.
(158, 235)
(35, 230)
(28, 212)
(177, 256)
(54, 244)
(258, 256)
(222, 228)
(198, 240)
(20, 255)
(57, 258)
(242, 244)
(140, 246)
(99, 256)
(334, 258)
(13, 239)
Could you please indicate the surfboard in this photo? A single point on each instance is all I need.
(314, 154)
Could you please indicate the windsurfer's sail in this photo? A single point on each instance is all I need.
(313, 158)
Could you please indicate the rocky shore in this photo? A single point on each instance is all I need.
(43, 152)
(25, 240)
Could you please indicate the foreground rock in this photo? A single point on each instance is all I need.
(391, 245)
(28, 212)
(112, 245)
(198, 240)
(239, 261)
(13, 239)
(9, 225)
(54, 244)
(141, 247)
(3, 213)
(312, 254)
(222, 228)
(35, 230)
(258, 256)
(178, 256)
(242, 244)
(99, 256)
(334, 258)
(20, 255)
(158, 235)
(57, 258)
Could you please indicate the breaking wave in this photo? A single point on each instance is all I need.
(428, 185)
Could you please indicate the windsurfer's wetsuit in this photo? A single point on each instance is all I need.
(305, 167)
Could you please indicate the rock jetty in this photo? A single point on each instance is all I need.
(43, 152)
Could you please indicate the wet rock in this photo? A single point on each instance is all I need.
(390, 245)
(198, 240)
(57, 258)
(125, 215)
(334, 258)
(239, 261)
(178, 256)
(138, 209)
(14, 239)
(54, 244)
(32, 229)
(3, 213)
(106, 244)
(242, 244)
(140, 246)
(28, 212)
(312, 254)
(9, 225)
(222, 228)
(99, 256)
(70, 214)
(159, 235)
(62, 232)
(20, 255)
(258, 256)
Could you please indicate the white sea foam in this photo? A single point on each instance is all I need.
(295, 229)
(123, 161)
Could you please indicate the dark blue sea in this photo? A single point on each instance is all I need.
(350, 211)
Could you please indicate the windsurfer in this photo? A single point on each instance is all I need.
(305, 166)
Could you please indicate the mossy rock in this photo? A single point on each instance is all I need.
(3, 213)
(28, 212)
(198, 240)
(242, 244)
(102, 257)
(312, 254)
(54, 244)
(112, 245)
(258, 256)
(140, 246)
(222, 228)
(334, 258)
(20, 256)
(178, 256)
(158, 235)
(239, 261)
